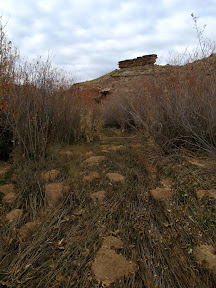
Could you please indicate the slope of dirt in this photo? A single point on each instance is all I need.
(155, 240)
(142, 79)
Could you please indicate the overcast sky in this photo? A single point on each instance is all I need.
(89, 37)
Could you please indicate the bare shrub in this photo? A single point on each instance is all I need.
(176, 105)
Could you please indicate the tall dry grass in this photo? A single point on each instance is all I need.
(175, 105)
(36, 105)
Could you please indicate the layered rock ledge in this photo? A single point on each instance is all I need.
(139, 61)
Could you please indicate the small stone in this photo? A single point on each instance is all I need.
(115, 177)
(50, 175)
(54, 193)
(98, 196)
(161, 193)
(91, 176)
(14, 215)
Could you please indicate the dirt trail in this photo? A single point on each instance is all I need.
(125, 221)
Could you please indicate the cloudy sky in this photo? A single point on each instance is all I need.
(89, 37)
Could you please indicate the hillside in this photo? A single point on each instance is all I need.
(132, 80)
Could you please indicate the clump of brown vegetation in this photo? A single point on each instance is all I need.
(175, 105)
(67, 203)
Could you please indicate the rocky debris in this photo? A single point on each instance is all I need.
(206, 193)
(8, 192)
(112, 242)
(91, 176)
(116, 148)
(4, 167)
(54, 193)
(94, 160)
(161, 193)
(109, 266)
(26, 230)
(139, 61)
(115, 177)
(98, 196)
(206, 256)
(50, 175)
(14, 215)
(88, 154)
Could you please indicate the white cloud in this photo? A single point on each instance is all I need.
(89, 37)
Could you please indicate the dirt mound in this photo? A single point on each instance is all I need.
(109, 266)
(206, 193)
(206, 256)
(115, 177)
(112, 242)
(14, 215)
(26, 230)
(161, 193)
(54, 193)
(8, 192)
(94, 160)
(50, 175)
(4, 167)
(98, 196)
(91, 176)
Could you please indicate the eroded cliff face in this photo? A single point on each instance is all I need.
(148, 78)
(139, 61)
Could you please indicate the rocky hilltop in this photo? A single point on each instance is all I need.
(140, 75)
(139, 61)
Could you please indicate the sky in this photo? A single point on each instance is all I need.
(89, 37)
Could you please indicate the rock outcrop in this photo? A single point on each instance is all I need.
(139, 61)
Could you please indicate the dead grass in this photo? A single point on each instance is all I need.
(159, 237)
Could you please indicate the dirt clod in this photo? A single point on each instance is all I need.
(14, 214)
(6, 189)
(94, 160)
(54, 193)
(50, 175)
(26, 230)
(112, 242)
(89, 154)
(4, 167)
(161, 193)
(98, 196)
(206, 193)
(116, 148)
(115, 177)
(9, 198)
(206, 256)
(91, 176)
(109, 266)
